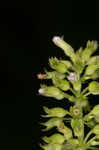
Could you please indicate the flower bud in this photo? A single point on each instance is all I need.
(53, 122)
(62, 84)
(52, 74)
(93, 60)
(93, 143)
(77, 126)
(51, 147)
(55, 139)
(89, 50)
(67, 63)
(95, 110)
(68, 50)
(58, 65)
(72, 77)
(65, 130)
(95, 113)
(94, 88)
(51, 91)
(95, 75)
(55, 112)
(77, 85)
(88, 117)
(76, 111)
(41, 76)
(91, 69)
(95, 130)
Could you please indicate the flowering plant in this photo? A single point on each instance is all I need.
(71, 76)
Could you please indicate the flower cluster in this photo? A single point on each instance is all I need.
(68, 76)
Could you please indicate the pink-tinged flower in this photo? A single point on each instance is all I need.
(41, 76)
(72, 77)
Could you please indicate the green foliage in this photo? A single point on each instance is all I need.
(69, 76)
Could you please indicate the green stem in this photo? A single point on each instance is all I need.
(66, 95)
(66, 119)
(73, 91)
(86, 138)
(84, 91)
(87, 94)
(89, 142)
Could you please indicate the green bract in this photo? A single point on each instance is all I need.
(68, 50)
(68, 81)
(52, 74)
(51, 147)
(55, 139)
(58, 65)
(94, 88)
(91, 47)
(96, 130)
(55, 112)
(91, 69)
(51, 91)
(53, 122)
(77, 125)
(62, 84)
(65, 130)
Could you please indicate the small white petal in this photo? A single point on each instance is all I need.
(56, 39)
(41, 91)
(72, 76)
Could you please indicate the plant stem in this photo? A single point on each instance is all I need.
(73, 91)
(84, 90)
(87, 94)
(91, 141)
(86, 138)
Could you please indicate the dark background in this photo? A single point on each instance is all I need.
(26, 31)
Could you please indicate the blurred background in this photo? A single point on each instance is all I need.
(26, 31)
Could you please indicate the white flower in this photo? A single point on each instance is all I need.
(41, 91)
(56, 39)
(72, 76)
